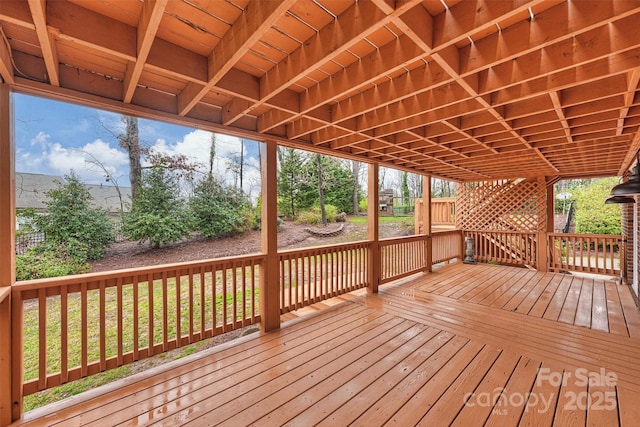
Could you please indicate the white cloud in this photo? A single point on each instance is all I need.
(87, 161)
(41, 140)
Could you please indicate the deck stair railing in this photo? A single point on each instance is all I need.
(504, 247)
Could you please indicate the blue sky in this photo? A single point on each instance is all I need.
(54, 138)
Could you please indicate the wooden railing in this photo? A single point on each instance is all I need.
(504, 247)
(446, 246)
(400, 257)
(443, 211)
(589, 253)
(311, 275)
(84, 324)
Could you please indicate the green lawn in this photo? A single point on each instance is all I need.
(382, 219)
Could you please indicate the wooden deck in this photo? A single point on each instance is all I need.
(465, 345)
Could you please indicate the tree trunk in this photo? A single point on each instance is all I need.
(355, 168)
(130, 141)
(212, 154)
(323, 212)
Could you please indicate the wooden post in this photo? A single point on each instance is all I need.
(10, 342)
(373, 264)
(543, 220)
(427, 220)
(269, 271)
(551, 209)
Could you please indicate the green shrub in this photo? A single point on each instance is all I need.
(72, 222)
(158, 215)
(363, 205)
(47, 260)
(313, 216)
(218, 210)
(593, 216)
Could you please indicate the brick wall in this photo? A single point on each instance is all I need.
(629, 235)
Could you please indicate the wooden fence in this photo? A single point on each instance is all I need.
(311, 275)
(590, 253)
(443, 211)
(85, 324)
(400, 257)
(446, 246)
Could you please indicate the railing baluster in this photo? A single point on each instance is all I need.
(103, 327)
(165, 312)
(64, 335)
(120, 310)
(178, 293)
(244, 294)
(42, 339)
(150, 296)
(224, 298)
(253, 290)
(234, 275)
(84, 325)
(191, 284)
(136, 330)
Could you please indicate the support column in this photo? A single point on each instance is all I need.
(10, 346)
(427, 220)
(551, 209)
(373, 264)
(269, 271)
(543, 212)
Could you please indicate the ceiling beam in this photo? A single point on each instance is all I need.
(359, 21)
(6, 64)
(389, 58)
(47, 42)
(148, 24)
(633, 79)
(256, 19)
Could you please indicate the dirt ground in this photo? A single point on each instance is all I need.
(132, 254)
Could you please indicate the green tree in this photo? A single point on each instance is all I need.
(73, 223)
(158, 215)
(405, 189)
(217, 210)
(291, 180)
(592, 215)
(338, 184)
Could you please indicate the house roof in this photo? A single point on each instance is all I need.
(31, 192)
(461, 89)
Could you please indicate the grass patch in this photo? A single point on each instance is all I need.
(381, 220)
(73, 388)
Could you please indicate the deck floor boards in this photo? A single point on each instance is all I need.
(465, 345)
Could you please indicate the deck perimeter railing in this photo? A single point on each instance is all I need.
(81, 325)
(446, 246)
(400, 257)
(311, 275)
(85, 324)
(589, 253)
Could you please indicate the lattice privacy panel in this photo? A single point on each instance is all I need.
(506, 205)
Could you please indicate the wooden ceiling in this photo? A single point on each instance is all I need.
(466, 90)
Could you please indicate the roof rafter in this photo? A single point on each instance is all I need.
(6, 67)
(152, 11)
(256, 19)
(47, 43)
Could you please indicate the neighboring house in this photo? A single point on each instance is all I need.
(31, 189)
